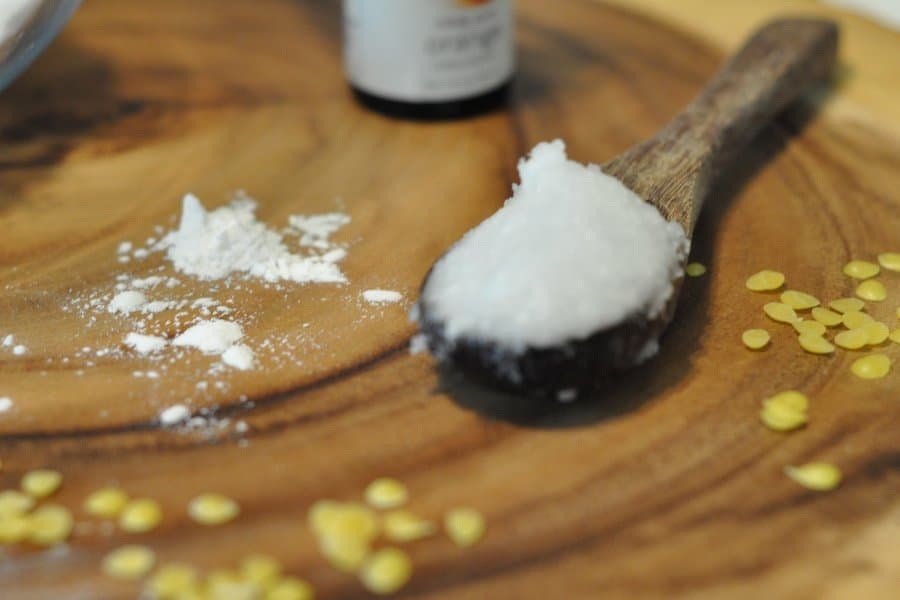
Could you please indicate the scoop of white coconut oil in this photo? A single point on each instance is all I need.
(571, 253)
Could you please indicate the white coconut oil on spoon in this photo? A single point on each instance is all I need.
(579, 272)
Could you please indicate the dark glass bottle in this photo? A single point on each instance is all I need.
(429, 59)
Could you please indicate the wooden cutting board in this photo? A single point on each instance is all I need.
(666, 485)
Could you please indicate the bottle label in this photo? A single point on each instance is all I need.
(428, 50)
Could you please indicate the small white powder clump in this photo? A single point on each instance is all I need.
(9, 340)
(211, 337)
(174, 415)
(572, 252)
(212, 245)
(381, 296)
(145, 344)
(127, 302)
(6, 404)
(158, 306)
(316, 229)
(238, 356)
(19, 350)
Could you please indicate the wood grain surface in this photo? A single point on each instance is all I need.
(666, 485)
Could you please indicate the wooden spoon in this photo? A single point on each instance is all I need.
(674, 170)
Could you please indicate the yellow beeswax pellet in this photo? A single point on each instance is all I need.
(198, 592)
(404, 526)
(799, 300)
(781, 313)
(385, 492)
(895, 336)
(320, 514)
(232, 588)
(14, 529)
(345, 532)
(877, 331)
(41, 483)
(890, 260)
(129, 563)
(50, 524)
(172, 581)
(843, 305)
(853, 319)
(344, 520)
(765, 281)
(140, 516)
(222, 577)
(345, 552)
(818, 476)
(809, 327)
(213, 509)
(756, 339)
(14, 502)
(386, 571)
(695, 269)
(872, 290)
(874, 366)
(861, 269)
(826, 317)
(854, 339)
(106, 503)
(465, 526)
(815, 344)
(793, 399)
(261, 569)
(782, 417)
(290, 588)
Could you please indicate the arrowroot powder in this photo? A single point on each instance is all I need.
(212, 245)
(181, 304)
(572, 252)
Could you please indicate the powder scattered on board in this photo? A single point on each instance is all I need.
(180, 295)
(382, 296)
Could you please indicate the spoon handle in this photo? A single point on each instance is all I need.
(674, 169)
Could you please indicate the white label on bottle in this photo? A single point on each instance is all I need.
(428, 50)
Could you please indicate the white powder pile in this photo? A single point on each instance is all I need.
(145, 344)
(316, 230)
(220, 338)
(211, 337)
(572, 252)
(6, 404)
(127, 302)
(382, 296)
(9, 341)
(239, 356)
(173, 415)
(164, 322)
(215, 244)
(217, 249)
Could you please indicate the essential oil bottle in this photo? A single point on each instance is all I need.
(429, 59)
